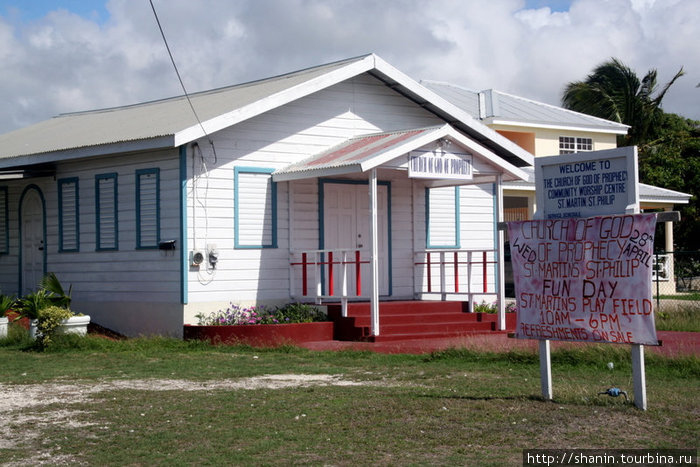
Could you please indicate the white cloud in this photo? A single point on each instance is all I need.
(64, 62)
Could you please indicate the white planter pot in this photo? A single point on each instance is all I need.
(3, 326)
(73, 325)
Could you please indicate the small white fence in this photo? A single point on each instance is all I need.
(336, 274)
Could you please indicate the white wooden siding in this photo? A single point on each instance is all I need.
(126, 274)
(280, 137)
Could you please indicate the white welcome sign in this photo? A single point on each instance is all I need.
(587, 184)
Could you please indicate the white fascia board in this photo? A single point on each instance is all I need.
(477, 180)
(664, 200)
(162, 142)
(548, 126)
(487, 154)
(449, 108)
(273, 101)
(316, 173)
(513, 187)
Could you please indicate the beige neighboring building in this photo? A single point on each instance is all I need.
(545, 130)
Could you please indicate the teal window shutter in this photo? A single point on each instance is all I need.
(68, 215)
(147, 208)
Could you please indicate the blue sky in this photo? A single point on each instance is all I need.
(554, 5)
(69, 55)
(29, 10)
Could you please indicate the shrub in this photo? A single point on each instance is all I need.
(48, 320)
(30, 305)
(232, 315)
(236, 315)
(6, 302)
(484, 307)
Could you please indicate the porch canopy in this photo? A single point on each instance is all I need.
(438, 155)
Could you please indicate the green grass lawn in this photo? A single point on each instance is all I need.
(680, 317)
(168, 402)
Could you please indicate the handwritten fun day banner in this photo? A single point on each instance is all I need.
(585, 279)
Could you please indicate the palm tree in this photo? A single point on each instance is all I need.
(614, 92)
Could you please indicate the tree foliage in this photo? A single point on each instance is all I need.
(669, 145)
(673, 161)
(613, 91)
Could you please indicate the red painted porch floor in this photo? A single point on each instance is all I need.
(673, 344)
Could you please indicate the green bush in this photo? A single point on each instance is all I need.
(6, 302)
(48, 320)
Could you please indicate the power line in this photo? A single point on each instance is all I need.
(172, 60)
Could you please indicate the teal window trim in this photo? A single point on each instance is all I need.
(236, 213)
(98, 207)
(458, 239)
(5, 214)
(61, 218)
(139, 174)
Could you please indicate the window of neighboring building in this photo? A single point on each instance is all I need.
(571, 144)
(255, 208)
(68, 215)
(4, 224)
(442, 217)
(106, 212)
(147, 208)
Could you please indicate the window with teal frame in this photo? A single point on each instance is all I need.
(106, 212)
(255, 208)
(68, 215)
(442, 217)
(147, 208)
(4, 222)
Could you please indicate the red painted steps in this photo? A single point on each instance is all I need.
(401, 320)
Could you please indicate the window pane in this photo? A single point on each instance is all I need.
(256, 210)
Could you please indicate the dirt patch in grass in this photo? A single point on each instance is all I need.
(28, 409)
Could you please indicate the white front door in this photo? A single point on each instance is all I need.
(32, 211)
(346, 225)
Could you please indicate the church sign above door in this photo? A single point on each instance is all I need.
(440, 164)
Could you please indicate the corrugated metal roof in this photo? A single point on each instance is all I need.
(170, 122)
(356, 150)
(161, 118)
(501, 106)
(650, 193)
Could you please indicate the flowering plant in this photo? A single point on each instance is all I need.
(511, 307)
(236, 315)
